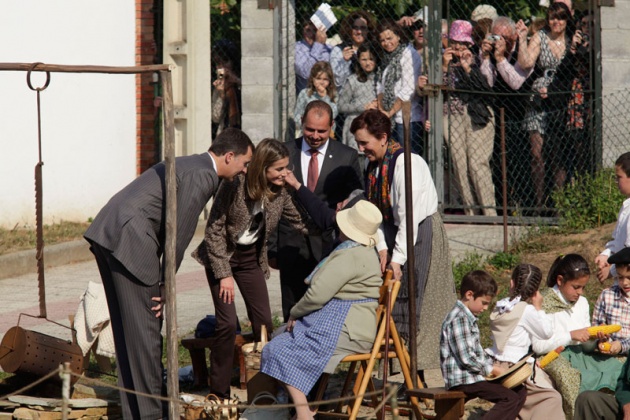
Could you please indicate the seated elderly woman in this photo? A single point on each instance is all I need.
(337, 315)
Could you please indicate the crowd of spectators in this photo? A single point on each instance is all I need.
(537, 72)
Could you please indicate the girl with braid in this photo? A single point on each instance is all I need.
(515, 321)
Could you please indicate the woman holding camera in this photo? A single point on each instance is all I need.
(356, 30)
(551, 50)
(246, 210)
(469, 121)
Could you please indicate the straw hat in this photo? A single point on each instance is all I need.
(515, 375)
(360, 222)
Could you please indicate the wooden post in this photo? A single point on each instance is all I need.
(172, 379)
(411, 241)
(504, 180)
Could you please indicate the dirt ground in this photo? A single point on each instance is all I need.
(588, 244)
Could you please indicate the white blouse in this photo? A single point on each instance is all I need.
(564, 322)
(533, 324)
(405, 87)
(425, 203)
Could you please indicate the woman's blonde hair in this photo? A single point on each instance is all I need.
(268, 151)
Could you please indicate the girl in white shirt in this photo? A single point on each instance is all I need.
(569, 310)
(515, 321)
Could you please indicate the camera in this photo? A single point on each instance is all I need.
(220, 73)
(585, 38)
(494, 38)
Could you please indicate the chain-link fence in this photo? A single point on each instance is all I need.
(518, 79)
(225, 64)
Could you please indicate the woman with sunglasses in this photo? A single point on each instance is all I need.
(245, 212)
(551, 50)
(356, 30)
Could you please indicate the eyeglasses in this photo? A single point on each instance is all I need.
(359, 28)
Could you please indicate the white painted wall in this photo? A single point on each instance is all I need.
(88, 120)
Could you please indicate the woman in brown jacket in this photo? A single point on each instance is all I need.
(245, 211)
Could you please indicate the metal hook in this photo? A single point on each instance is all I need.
(28, 78)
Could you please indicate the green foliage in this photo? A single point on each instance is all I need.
(225, 21)
(472, 261)
(589, 201)
(504, 260)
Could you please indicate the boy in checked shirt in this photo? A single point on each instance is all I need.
(464, 365)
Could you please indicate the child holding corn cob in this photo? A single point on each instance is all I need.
(464, 364)
(613, 306)
(577, 369)
(621, 238)
(514, 321)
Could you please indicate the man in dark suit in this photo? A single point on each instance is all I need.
(332, 174)
(127, 239)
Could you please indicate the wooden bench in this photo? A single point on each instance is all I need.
(197, 349)
(449, 405)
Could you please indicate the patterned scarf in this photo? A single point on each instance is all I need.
(391, 61)
(552, 302)
(378, 182)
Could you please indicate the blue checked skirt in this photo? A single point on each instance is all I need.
(298, 358)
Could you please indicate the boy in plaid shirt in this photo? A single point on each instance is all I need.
(464, 365)
(613, 304)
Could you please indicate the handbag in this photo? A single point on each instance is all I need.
(265, 412)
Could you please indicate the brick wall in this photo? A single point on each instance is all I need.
(146, 112)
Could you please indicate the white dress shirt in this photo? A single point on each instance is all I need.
(425, 203)
(305, 158)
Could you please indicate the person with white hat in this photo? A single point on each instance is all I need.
(484, 11)
(337, 315)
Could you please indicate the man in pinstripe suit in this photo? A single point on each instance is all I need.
(127, 239)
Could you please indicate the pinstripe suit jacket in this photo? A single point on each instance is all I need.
(132, 223)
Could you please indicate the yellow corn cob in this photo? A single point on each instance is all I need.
(606, 329)
(551, 356)
(604, 347)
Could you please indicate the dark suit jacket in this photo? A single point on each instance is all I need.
(339, 176)
(132, 223)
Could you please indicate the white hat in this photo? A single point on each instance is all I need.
(360, 222)
(484, 11)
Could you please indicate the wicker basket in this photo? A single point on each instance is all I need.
(252, 352)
